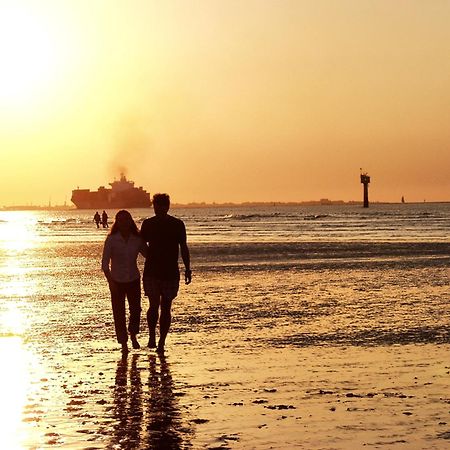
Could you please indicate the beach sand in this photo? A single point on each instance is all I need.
(86, 396)
(317, 346)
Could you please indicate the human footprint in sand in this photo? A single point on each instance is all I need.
(119, 264)
(165, 236)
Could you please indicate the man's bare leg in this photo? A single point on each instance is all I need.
(152, 320)
(164, 323)
(134, 341)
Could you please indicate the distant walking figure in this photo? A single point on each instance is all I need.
(104, 219)
(119, 258)
(165, 236)
(97, 219)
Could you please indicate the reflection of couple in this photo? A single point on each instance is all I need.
(160, 240)
(153, 419)
(128, 410)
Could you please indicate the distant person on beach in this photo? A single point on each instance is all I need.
(119, 264)
(97, 219)
(165, 236)
(104, 219)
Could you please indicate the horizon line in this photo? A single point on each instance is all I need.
(322, 202)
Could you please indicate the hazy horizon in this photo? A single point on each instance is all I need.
(225, 101)
(311, 202)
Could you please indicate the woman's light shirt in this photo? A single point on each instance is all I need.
(122, 254)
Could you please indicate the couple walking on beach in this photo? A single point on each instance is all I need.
(160, 240)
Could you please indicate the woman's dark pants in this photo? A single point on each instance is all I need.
(131, 291)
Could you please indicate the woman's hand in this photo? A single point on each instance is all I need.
(111, 282)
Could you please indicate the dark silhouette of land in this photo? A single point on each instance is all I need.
(228, 204)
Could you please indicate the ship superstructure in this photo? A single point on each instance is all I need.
(122, 194)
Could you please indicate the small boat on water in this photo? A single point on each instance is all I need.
(122, 194)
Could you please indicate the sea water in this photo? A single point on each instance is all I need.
(311, 275)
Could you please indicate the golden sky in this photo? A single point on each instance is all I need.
(231, 100)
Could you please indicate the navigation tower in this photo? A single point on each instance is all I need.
(365, 180)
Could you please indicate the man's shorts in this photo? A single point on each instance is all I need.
(155, 288)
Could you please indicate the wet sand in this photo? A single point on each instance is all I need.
(272, 346)
(86, 396)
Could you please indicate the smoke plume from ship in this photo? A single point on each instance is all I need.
(132, 146)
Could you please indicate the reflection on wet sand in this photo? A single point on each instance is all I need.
(13, 384)
(128, 405)
(17, 412)
(147, 416)
(164, 429)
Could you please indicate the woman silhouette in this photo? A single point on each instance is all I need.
(119, 264)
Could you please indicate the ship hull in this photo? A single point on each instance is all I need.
(108, 199)
(96, 204)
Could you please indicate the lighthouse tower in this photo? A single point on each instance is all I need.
(365, 180)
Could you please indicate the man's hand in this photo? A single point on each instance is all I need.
(187, 276)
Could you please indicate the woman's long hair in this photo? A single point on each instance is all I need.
(124, 215)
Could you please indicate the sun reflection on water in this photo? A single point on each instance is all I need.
(15, 384)
(17, 231)
(15, 291)
(12, 320)
(17, 237)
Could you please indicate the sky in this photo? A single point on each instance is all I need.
(225, 101)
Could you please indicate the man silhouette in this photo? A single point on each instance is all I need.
(105, 219)
(97, 219)
(165, 236)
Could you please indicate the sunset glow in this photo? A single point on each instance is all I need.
(225, 101)
(30, 56)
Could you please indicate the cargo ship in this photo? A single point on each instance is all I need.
(122, 194)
